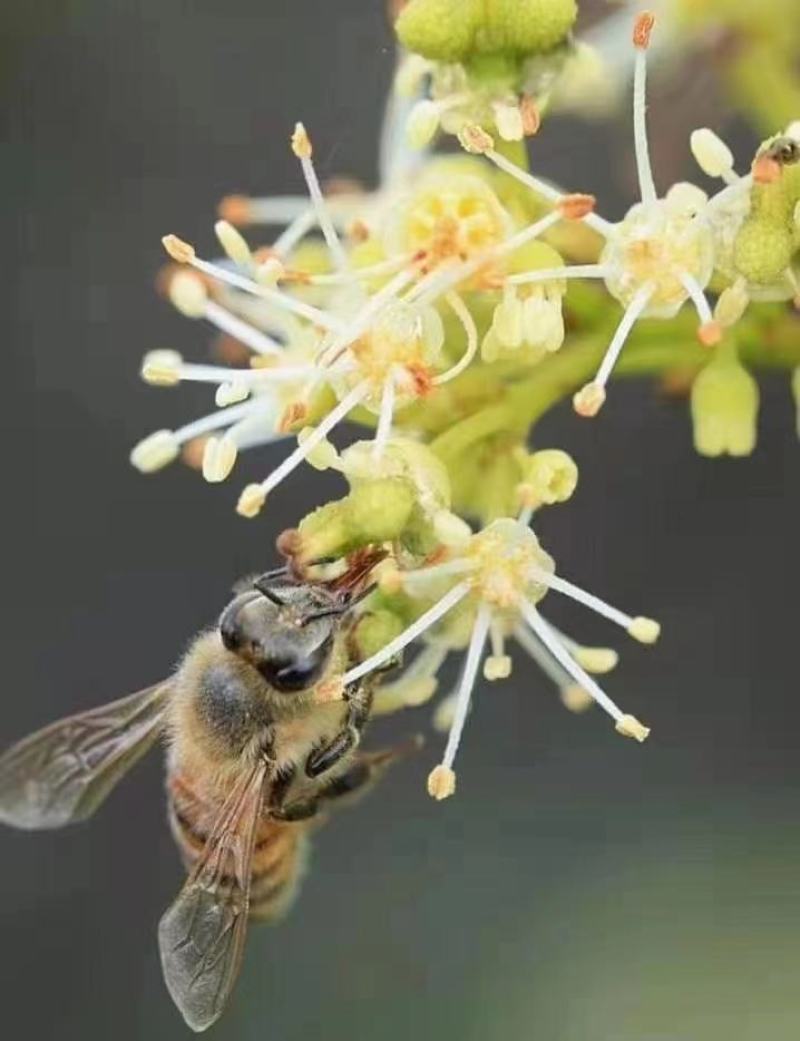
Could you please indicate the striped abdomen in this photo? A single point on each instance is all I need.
(279, 854)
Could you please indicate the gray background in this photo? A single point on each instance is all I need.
(580, 888)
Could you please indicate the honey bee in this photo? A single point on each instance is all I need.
(258, 743)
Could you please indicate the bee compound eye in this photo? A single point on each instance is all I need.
(296, 674)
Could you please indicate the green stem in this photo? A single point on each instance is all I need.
(652, 352)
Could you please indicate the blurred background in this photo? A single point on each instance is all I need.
(580, 887)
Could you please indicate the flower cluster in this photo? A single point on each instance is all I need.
(434, 311)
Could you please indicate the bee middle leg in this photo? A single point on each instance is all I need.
(368, 768)
(280, 808)
(359, 704)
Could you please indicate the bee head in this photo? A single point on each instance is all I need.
(286, 631)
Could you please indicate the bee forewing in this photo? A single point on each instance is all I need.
(201, 936)
(62, 773)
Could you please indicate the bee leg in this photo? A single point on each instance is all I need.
(279, 809)
(359, 703)
(369, 768)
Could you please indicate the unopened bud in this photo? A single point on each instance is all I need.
(551, 476)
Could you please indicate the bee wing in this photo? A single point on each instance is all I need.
(201, 936)
(62, 773)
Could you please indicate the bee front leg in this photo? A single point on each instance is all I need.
(359, 704)
(280, 809)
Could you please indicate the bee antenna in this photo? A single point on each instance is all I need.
(263, 587)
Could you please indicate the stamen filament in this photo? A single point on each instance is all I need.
(215, 420)
(629, 319)
(239, 329)
(554, 274)
(465, 687)
(417, 628)
(218, 374)
(533, 646)
(320, 432)
(603, 227)
(644, 170)
(297, 230)
(565, 659)
(692, 287)
(594, 603)
(465, 317)
(275, 296)
(384, 429)
(338, 255)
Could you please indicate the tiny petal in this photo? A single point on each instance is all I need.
(450, 529)
(732, 304)
(441, 782)
(508, 120)
(323, 456)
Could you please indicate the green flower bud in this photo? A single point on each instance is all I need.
(549, 476)
(458, 30)
(374, 629)
(379, 510)
(724, 408)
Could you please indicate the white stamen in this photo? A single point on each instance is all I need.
(335, 416)
(218, 374)
(240, 330)
(215, 420)
(563, 657)
(594, 603)
(449, 568)
(647, 186)
(629, 319)
(384, 267)
(297, 230)
(417, 628)
(465, 317)
(385, 417)
(603, 227)
(274, 296)
(473, 660)
(692, 287)
(554, 274)
(543, 658)
(525, 516)
(321, 209)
